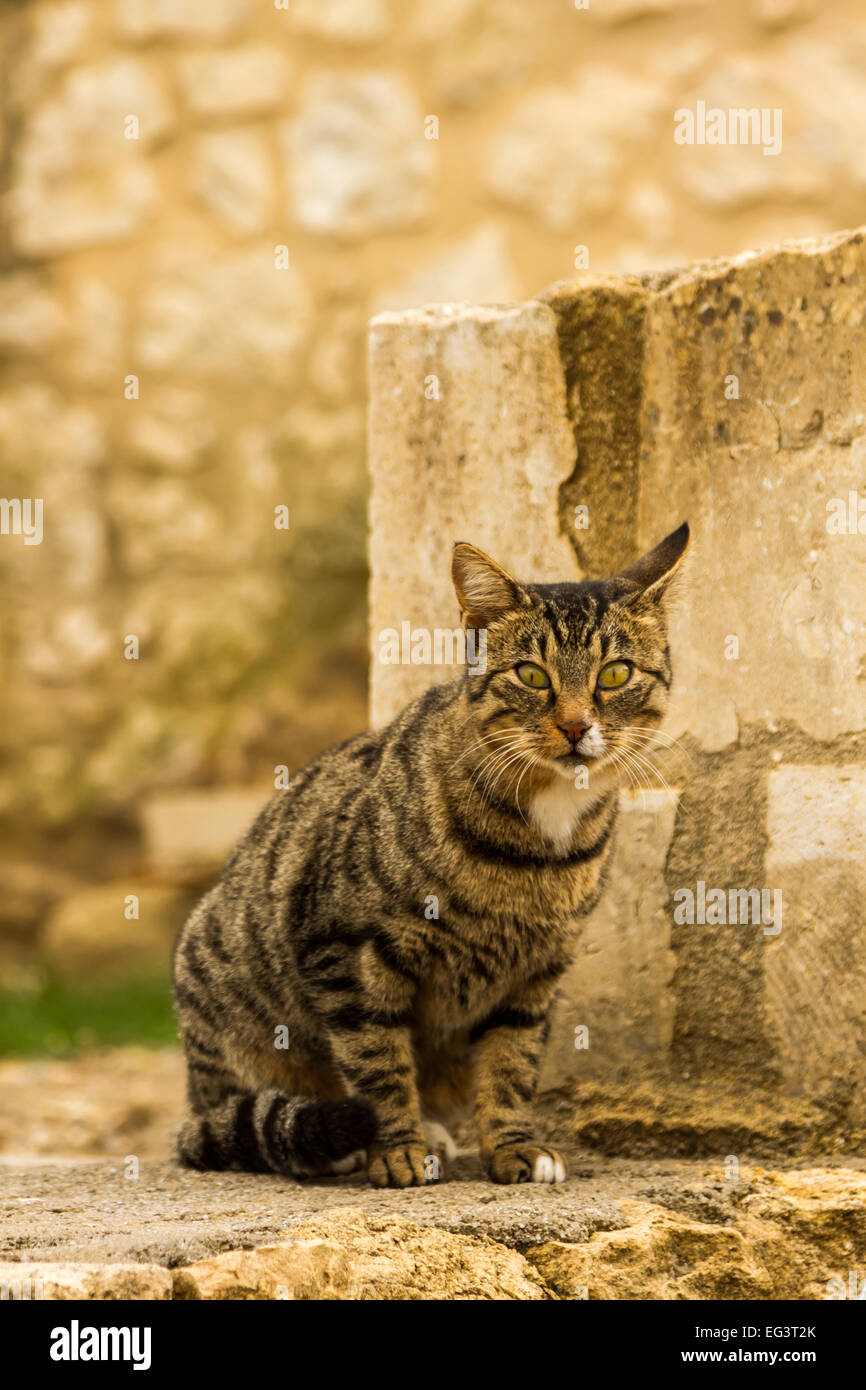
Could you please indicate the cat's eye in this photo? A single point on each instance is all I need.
(614, 674)
(533, 675)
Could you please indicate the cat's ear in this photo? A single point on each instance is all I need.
(653, 572)
(484, 591)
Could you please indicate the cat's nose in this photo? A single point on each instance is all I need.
(573, 731)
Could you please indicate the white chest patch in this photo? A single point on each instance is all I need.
(555, 810)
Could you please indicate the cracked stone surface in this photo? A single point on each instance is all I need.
(93, 1206)
(617, 1229)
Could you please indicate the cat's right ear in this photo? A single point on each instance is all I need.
(653, 572)
(484, 591)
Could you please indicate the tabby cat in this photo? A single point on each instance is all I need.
(387, 939)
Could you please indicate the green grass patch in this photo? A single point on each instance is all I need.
(58, 1019)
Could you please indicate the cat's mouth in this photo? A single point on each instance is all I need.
(589, 748)
(576, 758)
(569, 764)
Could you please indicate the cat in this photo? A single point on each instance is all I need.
(388, 938)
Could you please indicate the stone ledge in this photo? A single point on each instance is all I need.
(681, 1234)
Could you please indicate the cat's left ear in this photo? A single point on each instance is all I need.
(653, 572)
(484, 590)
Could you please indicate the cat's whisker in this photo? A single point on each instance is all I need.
(645, 770)
(522, 749)
(639, 761)
(637, 777)
(522, 757)
(534, 761)
(623, 767)
(647, 751)
(488, 765)
(652, 729)
(669, 743)
(649, 741)
(488, 738)
(652, 770)
(494, 776)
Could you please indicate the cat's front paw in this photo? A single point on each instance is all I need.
(526, 1162)
(407, 1165)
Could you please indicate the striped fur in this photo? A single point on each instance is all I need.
(402, 913)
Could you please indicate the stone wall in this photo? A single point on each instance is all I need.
(203, 201)
(732, 394)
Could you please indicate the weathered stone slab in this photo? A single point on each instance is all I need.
(116, 928)
(617, 1004)
(660, 1255)
(243, 81)
(356, 158)
(469, 440)
(349, 1254)
(756, 475)
(84, 1281)
(192, 832)
(146, 20)
(816, 965)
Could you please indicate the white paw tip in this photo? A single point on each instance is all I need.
(350, 1164)
(437, 1137)
(548, 1169)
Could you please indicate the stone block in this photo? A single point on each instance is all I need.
(356, 156)
(561, 153)
(815, 973)
(192, 832)
(80, 177)
(235, 316)
(116, 929)
(145, 20)
(231, 174)
(773, 623)
(248, 80)
(349, 1254)
(469, 440)
(342, 21)
(84, 1282)
(615, 1014)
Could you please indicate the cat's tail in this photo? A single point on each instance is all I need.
(273, 1132)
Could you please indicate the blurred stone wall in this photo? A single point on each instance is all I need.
(203, 202)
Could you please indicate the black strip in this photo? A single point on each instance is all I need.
(275, 1148)
(665, 680)
(246, 1149)
(191, 1001)
(489, 851)
(506, 1018)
